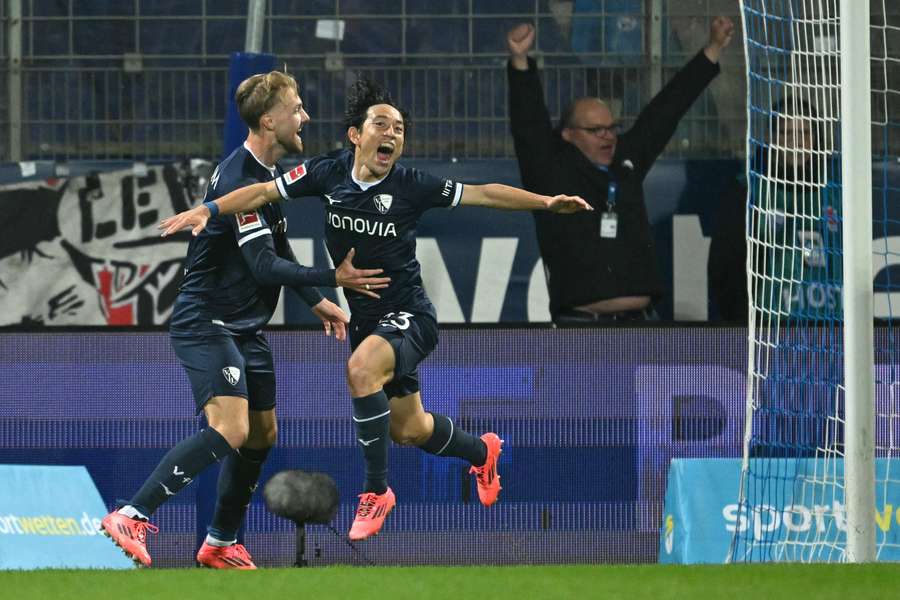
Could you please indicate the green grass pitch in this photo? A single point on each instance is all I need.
(655, 582)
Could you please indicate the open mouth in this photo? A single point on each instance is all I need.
(384, 153)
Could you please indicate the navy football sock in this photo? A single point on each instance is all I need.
(449, 440)
(179, 467)
(237, 482)
(372, 420)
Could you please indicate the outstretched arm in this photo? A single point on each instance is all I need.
(248, 198)
(496, 195)
(657, 121)
(528, 116)
(242, 199)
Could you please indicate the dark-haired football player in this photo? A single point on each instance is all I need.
(373, 205)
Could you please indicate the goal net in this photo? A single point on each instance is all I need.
(794, 493)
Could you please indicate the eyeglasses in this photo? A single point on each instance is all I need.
(600, 130)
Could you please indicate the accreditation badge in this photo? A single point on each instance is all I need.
(609, 225)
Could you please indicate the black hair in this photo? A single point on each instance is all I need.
(363, 94)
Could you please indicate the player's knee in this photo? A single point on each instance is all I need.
(361, 379)
(265, 438)
(236, 434)
(397, 434)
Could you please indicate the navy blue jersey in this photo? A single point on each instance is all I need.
(379, 221)
(228, 286)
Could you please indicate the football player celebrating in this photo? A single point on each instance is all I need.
(233, 275)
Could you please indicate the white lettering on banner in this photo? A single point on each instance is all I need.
(113, 215)
(491, 288)
(437, 282)
(361, 225)
(494, 268)
(690, 253)
(810, 296)
(49, 524)
(765, 519)
(538, 294)
(100, 267)
(109, 220)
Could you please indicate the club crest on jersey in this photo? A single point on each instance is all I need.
(248, 220)
(295, 174)
(383, 202)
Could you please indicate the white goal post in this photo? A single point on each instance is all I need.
(859, 355)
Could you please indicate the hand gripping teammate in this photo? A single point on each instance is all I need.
(234, 272)
(373, 205)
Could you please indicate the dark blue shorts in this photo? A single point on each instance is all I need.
(413, 336)
(225, 365)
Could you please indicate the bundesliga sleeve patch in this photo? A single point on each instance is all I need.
(295, 174)
(248, 221)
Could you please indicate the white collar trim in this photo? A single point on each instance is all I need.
(364, 185)
(271, 169)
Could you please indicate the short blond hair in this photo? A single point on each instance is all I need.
(258, 94)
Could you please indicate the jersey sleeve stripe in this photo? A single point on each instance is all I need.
(457, 196)
(254, 235)
(279, 183)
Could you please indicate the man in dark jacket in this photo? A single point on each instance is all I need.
(600, 265)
